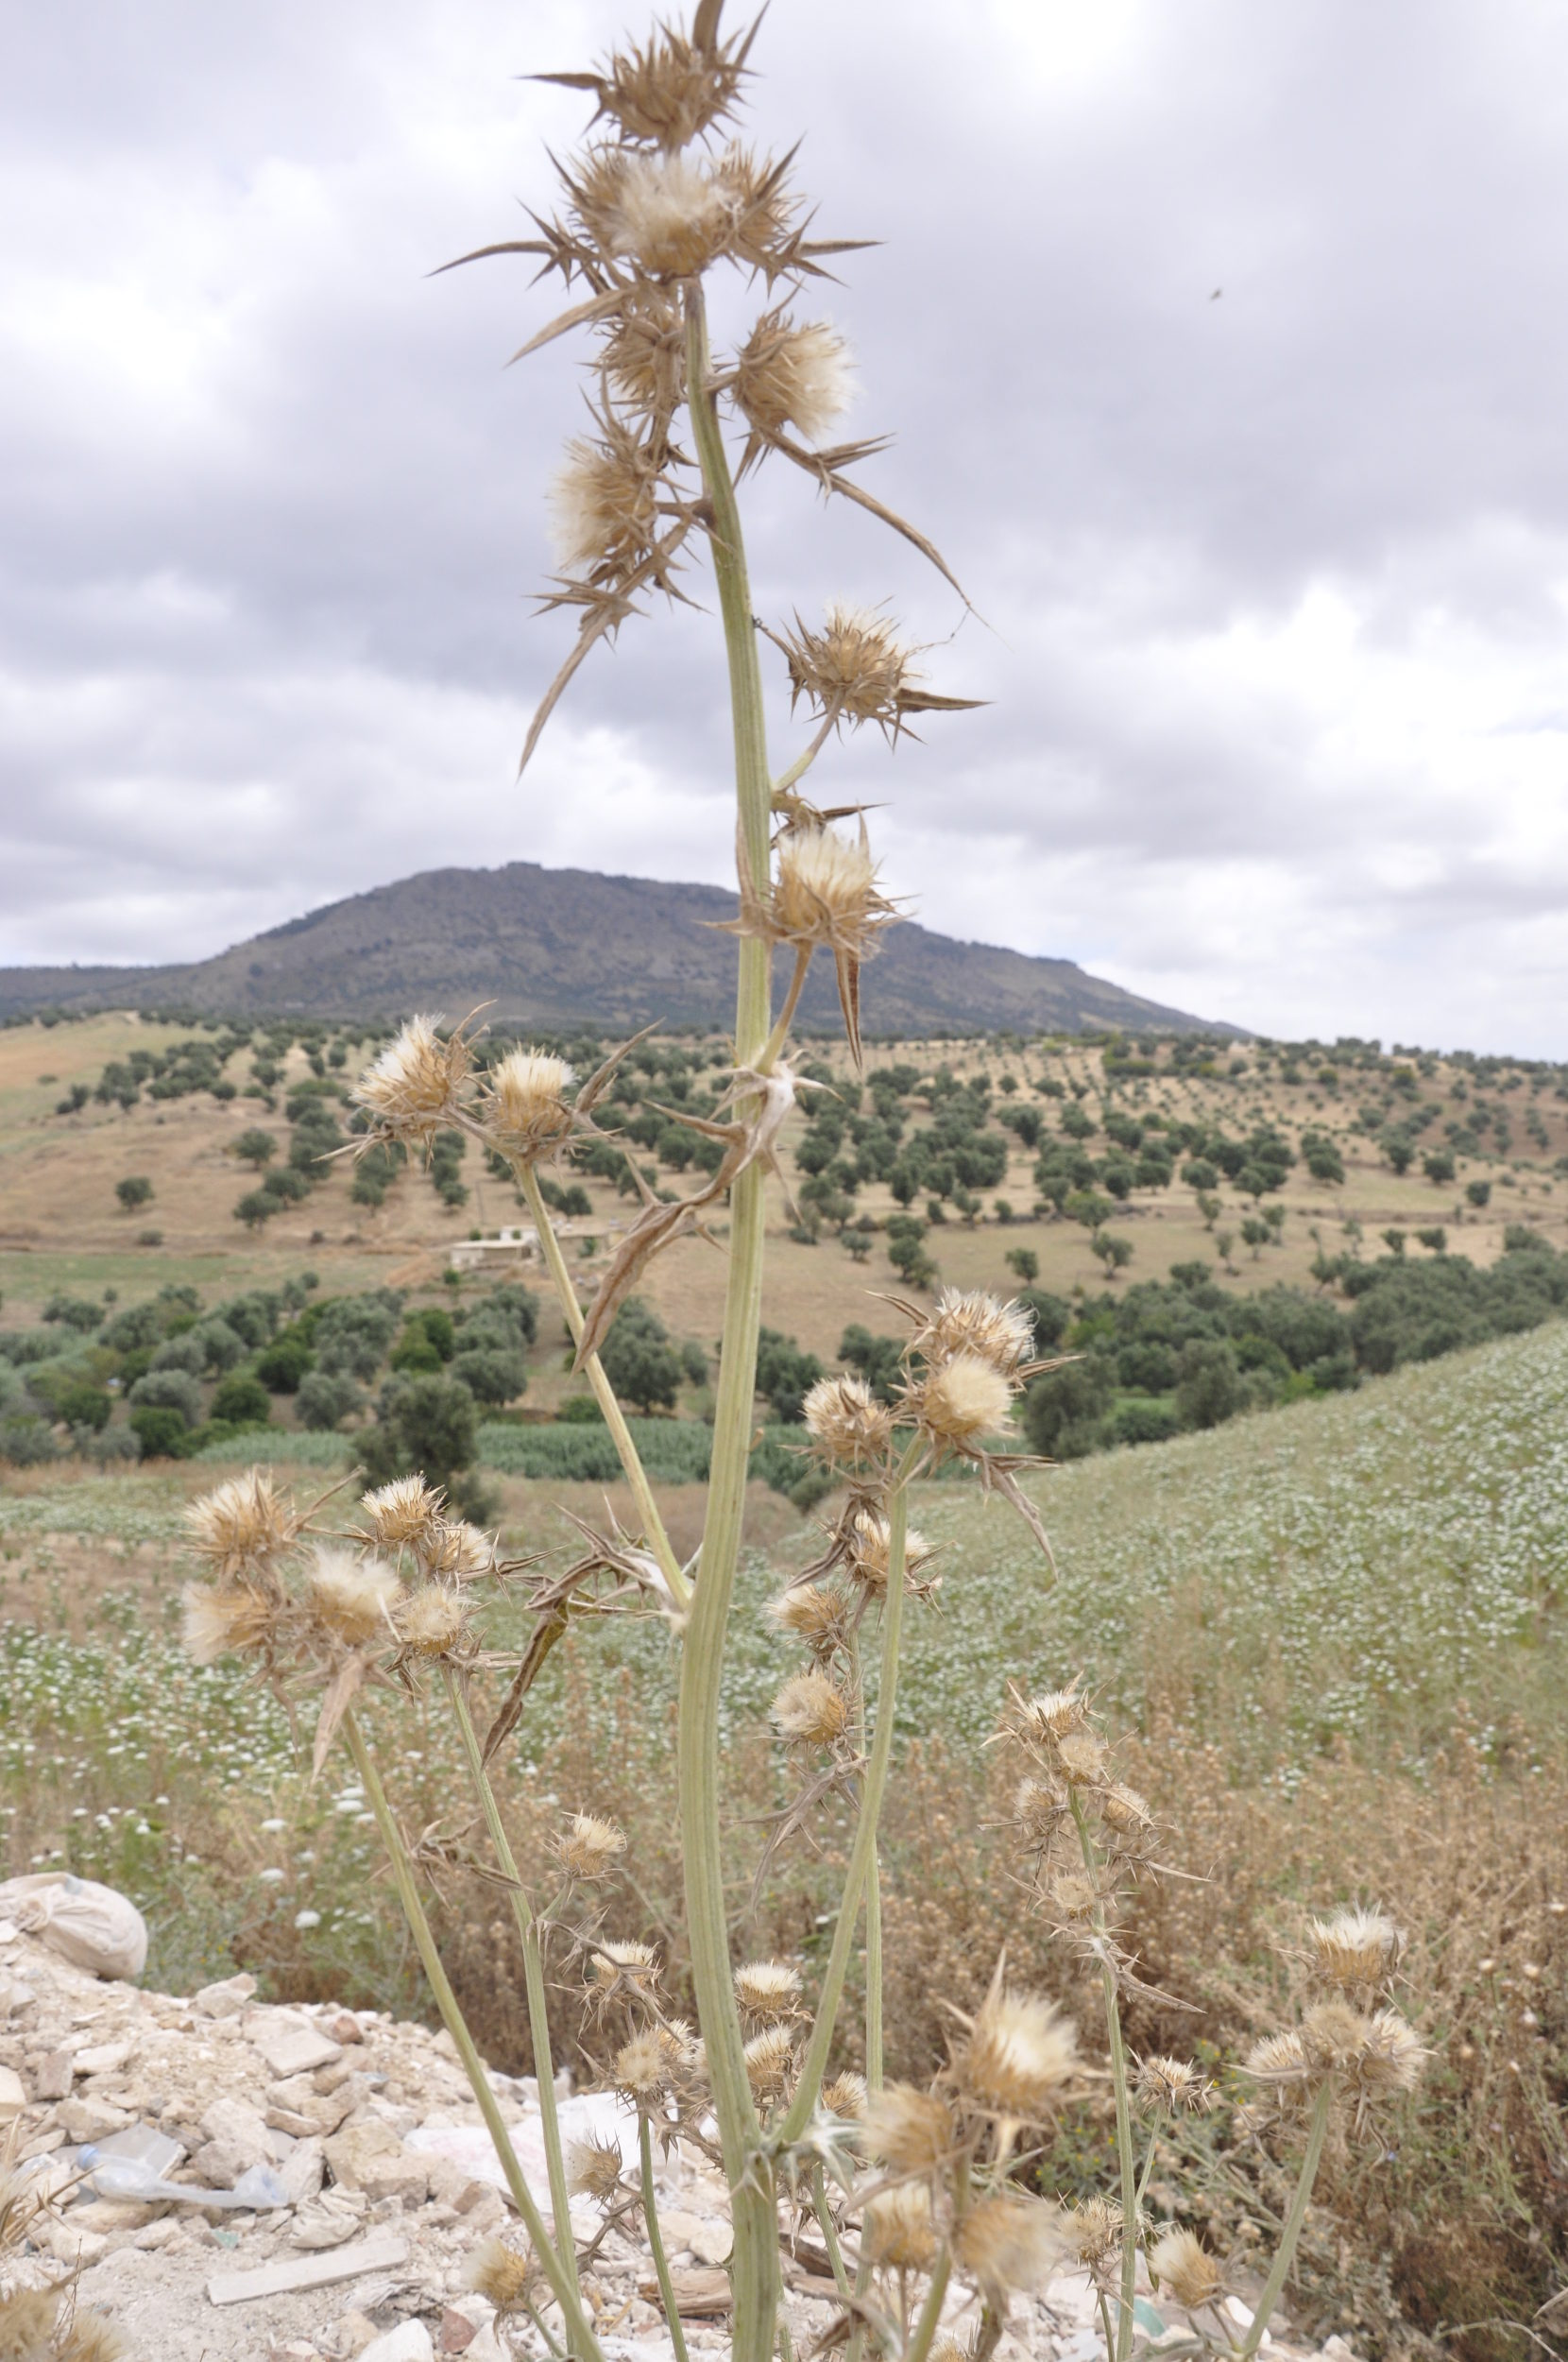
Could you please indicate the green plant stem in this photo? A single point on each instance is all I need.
(1105, 2326)
(580, 2336)
(772, 1050)
(754, 2263)
(1286, 2254)
(603, 1394)
(873, 1972)
(862, 1851)
(829, 2237)
(655, 2240)
(1148, 2165)
(930, 2312)
(1124, 2106)
(533, 1964)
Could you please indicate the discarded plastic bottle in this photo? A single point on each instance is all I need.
(257, 2189)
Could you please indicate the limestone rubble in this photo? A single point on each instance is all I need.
(389, 2178)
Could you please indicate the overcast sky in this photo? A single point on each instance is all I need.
(1225, 351)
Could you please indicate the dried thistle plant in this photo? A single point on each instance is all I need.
(396, 1605)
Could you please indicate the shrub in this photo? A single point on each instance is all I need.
(493, 1373)
(25, 1442)
(284, 1363)
(162, 1433)
(75, 1313)
(1479, 1192)
(1438, 1165)
(168, 1390)
(255, 1147)
(1064, 1411)
(424, 1425)
(135, 1191)
(638, 1359)
(243, 1400)
(324, 1398)
(1208, 1383)
(255, 1207)
(785, 1376)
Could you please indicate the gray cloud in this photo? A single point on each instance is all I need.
(1271, 584)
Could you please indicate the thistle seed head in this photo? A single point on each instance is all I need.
(853, 669)
(524, 1108)
(1390, 2059)
(402, 1514)
(241, 1526)
(1019, 2054)
(643, 2066)
(456, 1551)
(849, 1427)
(352, 1597)
(1333, 2035)
(1043, 1720)
(1180, 2265)
(623, 1967)
(870, 1551)
(502, 2274)
(1280, 2062)
(1170, 2087)
(846, 2096)
(814, 1613)
(911, 2131)
(1094, 2230)
(588, 1847)
(431, 1621)
(1082, 1758)
(898, 2229)
(825, 892)
(960, 1403)
(811, 1710)
(1007, 2244)
(90, 2339)
(768, 1990)
(1002, 1334)
(1356, 1950)
(603, 503)
(792, 375)
(670, 216)
(643, 354)
(1125, 1813)
(593, 2170)
(230, 1622)
(414, 1087)
(667, 90)
(770, 2062)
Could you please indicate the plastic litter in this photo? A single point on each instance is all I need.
(257, 2190)
(91, 1925)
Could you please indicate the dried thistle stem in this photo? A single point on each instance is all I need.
(1124, 2104)
(824, 2213)
(930, 2312)
(1285, 2255)
(753, 2269)
(562, 2287)
(603, 1393)
(774, 1048)
(532, 1961)
(862, 1851)
(655, 2237)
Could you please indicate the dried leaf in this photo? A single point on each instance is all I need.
(651, 1231)
(594, 309)
(546, 1632)
(337, 1700)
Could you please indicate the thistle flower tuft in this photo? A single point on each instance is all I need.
(791, 373)
(1094, 2230)
(1019, 2054)
(961, 1402)
(603, 502)
(1011, 2243)
(768, 1990)
(623, 1967)
(853, 669)
(431, 1622)
(402, 1514)
(1356, 1950)
(911, 2131)
(825, 892)
(502, 2274)
(226, 1622)
(593, 2169)
(770, 2062)
(352, 1597)
(811, 1710)
(411, 1089)
(525, 1107)
(869, 1552)
(643, 2066)
(849, 1427)
(846, 2096)
(670, 215)
(898, 2230)
(1180, 2265)
(1170, 2087)
(1002, 1334)
(816, 1613)
(241, 1526)
(587, 1846)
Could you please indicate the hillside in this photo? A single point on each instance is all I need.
(567, 946)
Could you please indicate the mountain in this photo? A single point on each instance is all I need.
(564, 947)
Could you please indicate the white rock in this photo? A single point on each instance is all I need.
(226, 1999)
(290, 2046)
(302, 2172)
(409, 2342)
(103, 2058)
(13, 2096)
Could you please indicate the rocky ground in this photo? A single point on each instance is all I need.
(390, 2183)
